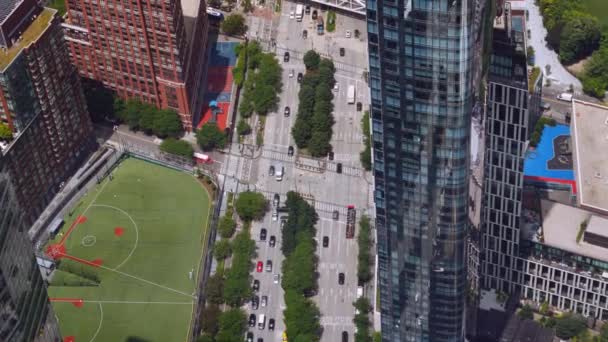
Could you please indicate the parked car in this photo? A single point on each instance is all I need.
(249, 337)
(260, 266)
(342, 52)
(348, 34)
(271, 170)
(307, 10)
(326, 241)
(545, 106)
(255, 302)
(271, 324)
(341, 278)
(273, 241)
(260, 339)
(287, 111)
(256, 285)
(330, 155)
(286, 57)
(290, 151)
(336, 87)
(314, 15)
(304, 34)
(283, 221)
(263, 234)
(359, 106)
(335, 215)
(264, 301)
(268, 265)
(291, 73)
(252, 320)
(276, 278)
(300, 77)
(276, 199)
(344, 336)
(339, 168)
(292, 14)
(275, 214)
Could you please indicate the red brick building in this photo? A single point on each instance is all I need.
(154, 50)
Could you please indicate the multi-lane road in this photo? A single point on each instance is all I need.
(320, 182)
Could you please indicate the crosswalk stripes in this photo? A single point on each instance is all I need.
(275, 155)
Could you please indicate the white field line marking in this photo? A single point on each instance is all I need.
(133, 302)
(90, 204)
(136, 232)
(100, 323)
(147, 281)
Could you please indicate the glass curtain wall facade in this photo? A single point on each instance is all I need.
(25, 311)
(420, 56)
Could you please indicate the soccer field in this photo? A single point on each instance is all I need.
(126, 254)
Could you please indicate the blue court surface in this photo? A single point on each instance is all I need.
(222, 54)
(536, 162)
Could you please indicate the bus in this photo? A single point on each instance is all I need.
(201, 158)
(350, 94)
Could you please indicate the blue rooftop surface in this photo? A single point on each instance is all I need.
(535, 164)
(222, 54)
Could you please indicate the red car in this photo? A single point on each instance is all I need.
(260, 266)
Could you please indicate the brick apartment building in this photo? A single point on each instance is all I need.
(42, 102)
(154, 50)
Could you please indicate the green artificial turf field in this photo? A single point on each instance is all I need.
(125, 257)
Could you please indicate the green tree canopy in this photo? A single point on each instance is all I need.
(232, 325)
(364, 264)
(167, 123)
(222, 249)
(526, 312)
(251, 206)
(210, 319)
(5, 132)
(301, 317)
(226, 227)
(214, 288)
(237, 285)
(299, 268)
(234, 25)
(177, 147)
(569, 326)
(243, 127)
(210, 136)
(579, 38)
(311, 60)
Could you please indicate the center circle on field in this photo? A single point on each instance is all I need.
(88, 240)
(134, 226)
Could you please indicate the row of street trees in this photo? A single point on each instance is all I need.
(313, 127)
(366, 155)
(301, 314)
(145, 117)
(263, 83)
(232, 286)
(575, 34)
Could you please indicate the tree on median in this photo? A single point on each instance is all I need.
(234, 25)
(210, 137)
(214, 288)
(232, 325)
(251, 206)
(311, 60)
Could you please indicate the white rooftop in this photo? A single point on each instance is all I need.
(561, 224)
(590, 133)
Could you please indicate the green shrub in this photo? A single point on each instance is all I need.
(177, 147)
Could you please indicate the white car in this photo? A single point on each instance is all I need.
(347, 33)
(336, 87)
(264, 301)
(276, 278)
(291, 73)
(292, 15)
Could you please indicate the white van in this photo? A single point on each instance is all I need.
(565, 97)
(279, 173)
(261, 321)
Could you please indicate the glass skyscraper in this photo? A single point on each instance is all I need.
(421, 77)
(25, 311)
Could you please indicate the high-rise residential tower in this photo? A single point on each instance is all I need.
(421, 76)
(41, 104)
(151, 50)
(25, 311)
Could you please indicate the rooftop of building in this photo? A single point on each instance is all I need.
(7, 7)
(550, 162)
(590, 136)
(509, 63)
(30, 35)
(561, 228)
